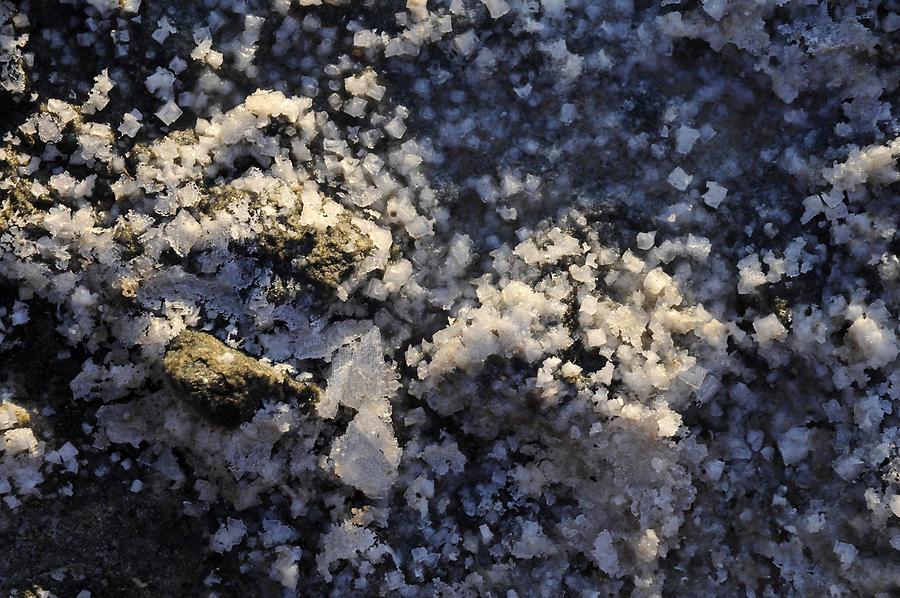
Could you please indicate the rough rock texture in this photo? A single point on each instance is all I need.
(222, 381)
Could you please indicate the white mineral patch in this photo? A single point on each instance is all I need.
(544, 297)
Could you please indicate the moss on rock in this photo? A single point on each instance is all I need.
(226, 384)
(322, 258)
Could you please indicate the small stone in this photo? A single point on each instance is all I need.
(226, 384)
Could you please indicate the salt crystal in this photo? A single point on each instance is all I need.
(496, 8)
(794, 445)
(395, 128)
(894, 504)
(877, 344)
(162, 81)
(685, 138)
(769, 329)
(418, 8)
(714, 195)
(164, 29)
(846, 552)
(646, 240)
(465, 42)
(367, 455)
(67, 451)
(169, 112)
(679, 179)
(131, 123)
(715, 8)
(182, 232)
(228, 535)
(19, 440)
(605, 555)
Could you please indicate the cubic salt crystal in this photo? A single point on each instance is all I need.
(685, 137)
(169, 113)
(679, 179)
(714, 195)
(769, 329)
(794, 445)
(646, 240)
(131, 123)
(715, 8)
(496, 8)
(465, 42)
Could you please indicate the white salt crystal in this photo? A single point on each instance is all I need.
(67, 451)
(714, 469)
(877, 344)
(365, 38)
(285, 569)
(486, 533)
(395, 128)
(890, 23)
(894, 503)
(714, 195)
(667, 423)
(646, 240)
(48, 130)
(605, 555)
(596, 337)
(8, 417)
(532, 543)
(846, 552)
(182, 232)
(131, 123)
(418, 8)
(679, 179)
(715, 8)
(162, 80)
(496, 8)
(19, 314)
(685, 137)
(769, 329)
(367, 455)
(794, 445)
(228, 535)
(19, 440)
(554, 8)
(569, 370)
(398, 273)
(656, 280)
(169, 112)
(465, 43)
(163, 31)
(177, 65)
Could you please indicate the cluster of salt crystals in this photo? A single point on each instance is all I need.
(25, 461)
(13, 77)
(656, 316)
(238, 466)
(367, 455)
